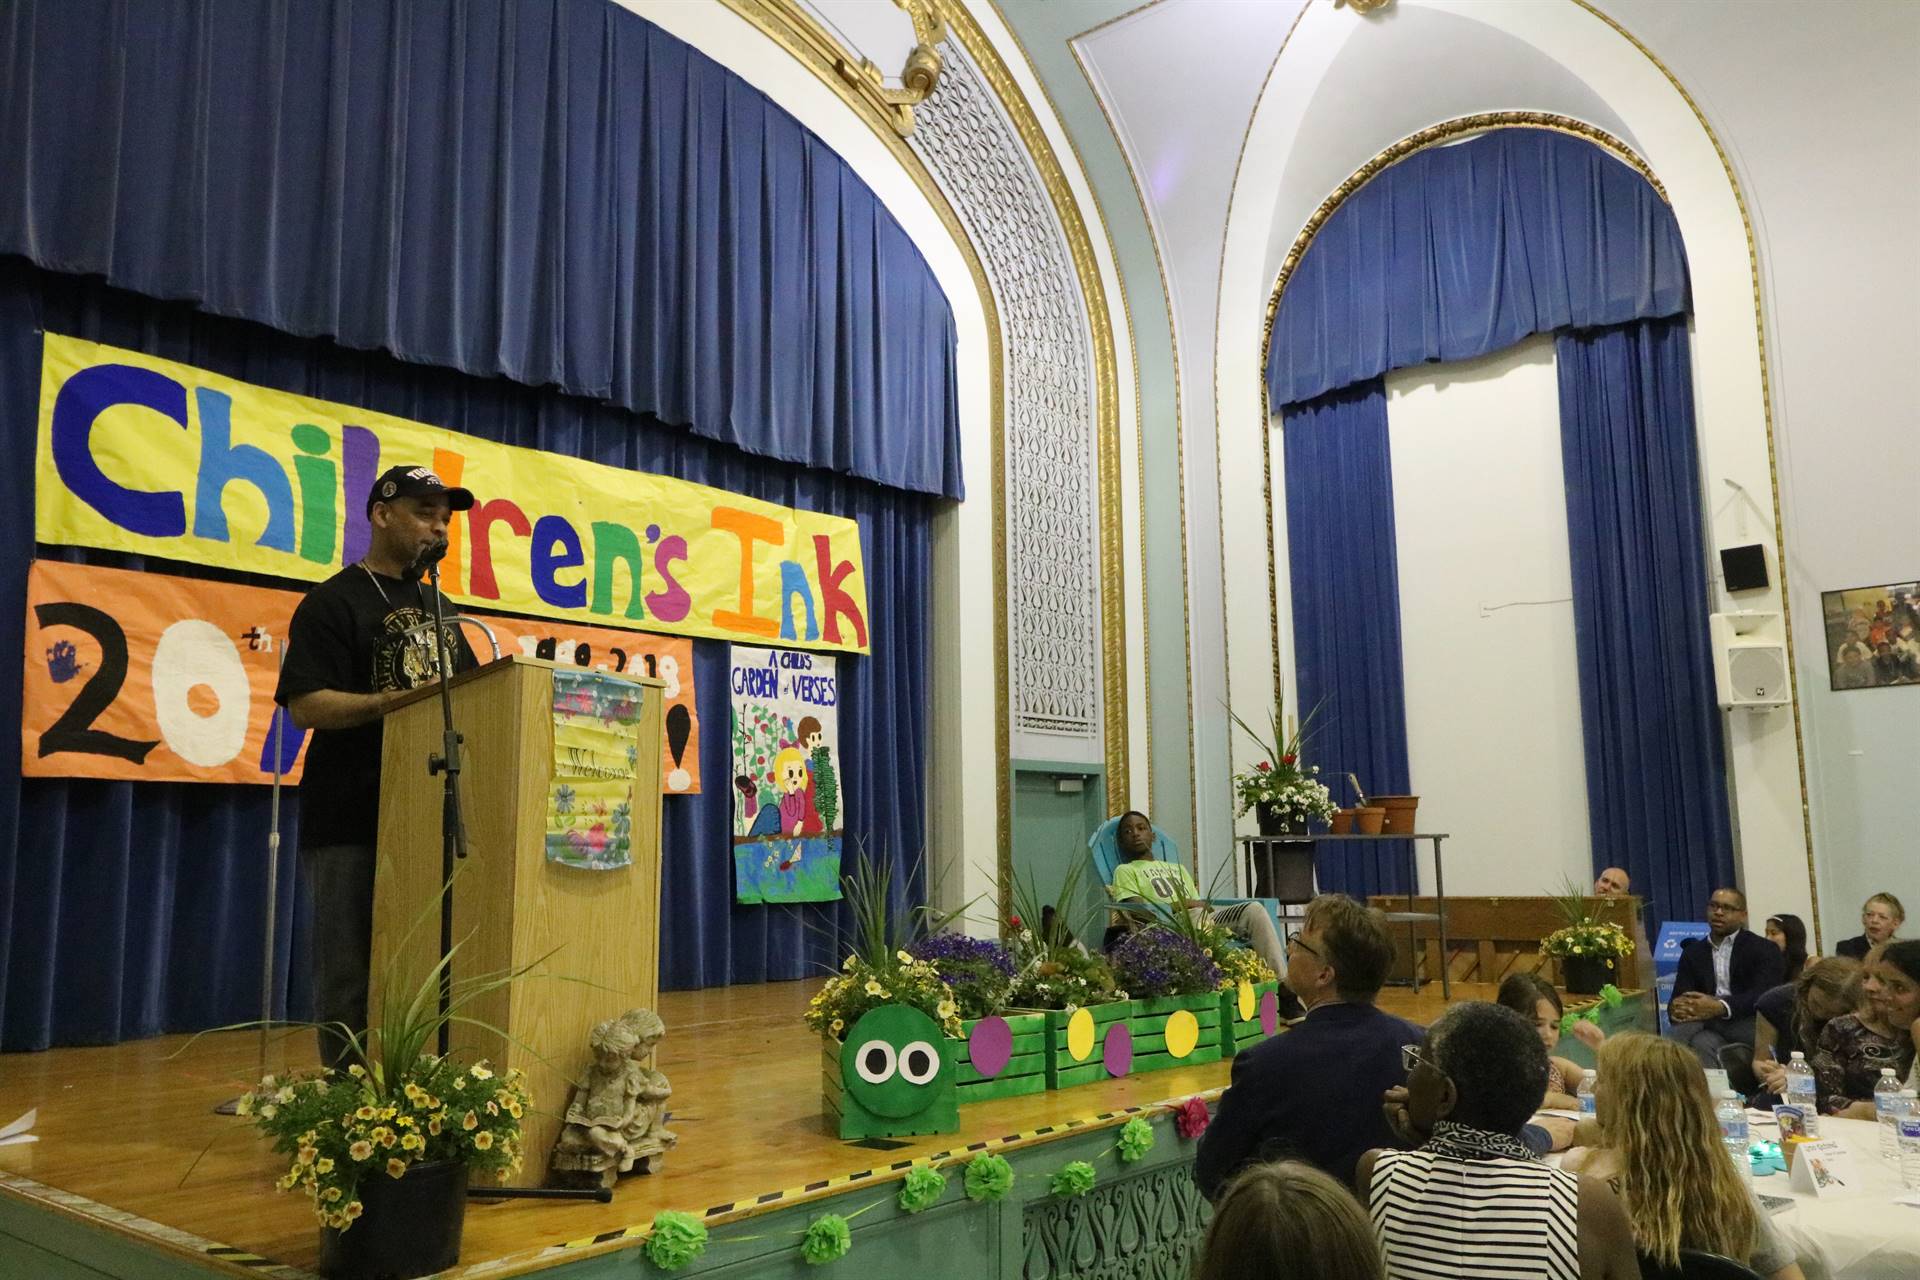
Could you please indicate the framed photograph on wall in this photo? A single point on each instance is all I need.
(1873, 635)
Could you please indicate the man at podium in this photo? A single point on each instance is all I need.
(357, 643)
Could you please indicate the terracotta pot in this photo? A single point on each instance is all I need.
(1400, 811)
(1342, 822)
(1368, 819)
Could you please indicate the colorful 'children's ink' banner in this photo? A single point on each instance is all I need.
(596, 742)
(145, 455)
(159, 678)
(787, 804)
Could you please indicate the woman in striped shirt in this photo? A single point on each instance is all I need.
(1472, 1199)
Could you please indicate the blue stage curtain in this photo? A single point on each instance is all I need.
(128, 909)
(554, 191)
(1656, 774)
(1459, 251)
(1346, 615)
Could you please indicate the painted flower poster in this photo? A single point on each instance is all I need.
(788, 807)
(596, 745)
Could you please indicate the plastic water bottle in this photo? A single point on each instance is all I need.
(1910, 1152)
(1732, 1114)
(1800, 1091)
(1886, 1110)
(1588, 1109)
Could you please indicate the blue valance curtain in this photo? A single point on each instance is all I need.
(128, 909)
(554, 191)
(1463, 250)
(1457, 252)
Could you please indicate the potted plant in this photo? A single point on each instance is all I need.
(1589, 951)
(385, 1149)
(1282, 789)
(980, 972)
(1071, 989)
(880, 974)
(1175, 988)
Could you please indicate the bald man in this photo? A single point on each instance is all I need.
(1611, 884)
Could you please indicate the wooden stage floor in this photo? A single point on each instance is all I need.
(130, 1129)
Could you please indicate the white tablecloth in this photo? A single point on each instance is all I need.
(1862, 1236)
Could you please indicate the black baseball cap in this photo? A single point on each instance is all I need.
(415, 482)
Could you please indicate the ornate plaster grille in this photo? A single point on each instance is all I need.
(1052, 504)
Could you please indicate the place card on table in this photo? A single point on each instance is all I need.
(1823, 1167)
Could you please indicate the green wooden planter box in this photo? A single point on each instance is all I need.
(1148, 1022)
(941, 1117)
(1062, 1069)
(1025, 1072)
(1238, 1033)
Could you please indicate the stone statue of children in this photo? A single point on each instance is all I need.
(614, 1119)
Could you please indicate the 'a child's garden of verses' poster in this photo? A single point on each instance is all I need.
(787, 802)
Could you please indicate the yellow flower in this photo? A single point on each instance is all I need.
(269, 1111)
(323, 1165)
(361, 1150)
(903, 957)
(285, 1094)
(359, 1072)
(386, 1138)
(493, 1108)
(459, 1082)
(874, 988)
(353, 1210)
(364, 1113)
(946, 1009)
(838, 1025)
(396, 1167)
(482, 1140)
(433, 1126)
(244, 1107)
(414, 1092)
(288, 1181)
(471, 1121)
(330, 1194)
(388, 1113)
(413, 1142)
(513, 1109)
(480, 1072)
(309, 1154)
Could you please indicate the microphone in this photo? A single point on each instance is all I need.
(430, 560)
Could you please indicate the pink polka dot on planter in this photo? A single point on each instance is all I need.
(1118, 1051)
(990, 1046)
(1269, 1013)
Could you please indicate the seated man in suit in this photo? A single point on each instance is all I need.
(1720, 978)
(1313, 1093)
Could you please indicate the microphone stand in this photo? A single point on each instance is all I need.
(453, 830)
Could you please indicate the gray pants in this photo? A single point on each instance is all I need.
(340, 879)
(1706, 1039)
(1250, 921)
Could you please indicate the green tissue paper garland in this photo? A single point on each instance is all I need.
(922, 1189)
(1136, 1139)
(828, 1239)
(989, 1177)
(676, 1240)
(1075, 1178)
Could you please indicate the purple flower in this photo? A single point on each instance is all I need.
(1156, 961)
(979, 970)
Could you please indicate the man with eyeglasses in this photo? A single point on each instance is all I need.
(1313, 1093)
(1719, 979)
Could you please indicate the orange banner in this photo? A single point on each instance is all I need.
(160, 678)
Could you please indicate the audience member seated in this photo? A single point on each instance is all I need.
(1790, 1018)
(1142, 878)
(1880, 919)
(1313, 1093)
(1473, 1191)
(1719, 979)
(1288, 1221)
(1612, 883)
(1855, 1046)
(1660, 1150)
(1789, 933)
(1533, 998)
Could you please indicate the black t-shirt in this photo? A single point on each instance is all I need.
(351, 634)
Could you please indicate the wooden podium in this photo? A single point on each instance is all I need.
(511, 906)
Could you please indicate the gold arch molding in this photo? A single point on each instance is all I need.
(888, 114)
(1452, 129)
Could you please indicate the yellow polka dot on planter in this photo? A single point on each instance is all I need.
(1248, 1005)
(1183, 1033)
(1080, 1035)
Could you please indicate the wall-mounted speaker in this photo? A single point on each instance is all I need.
(1749, 663)
(1744, 568)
